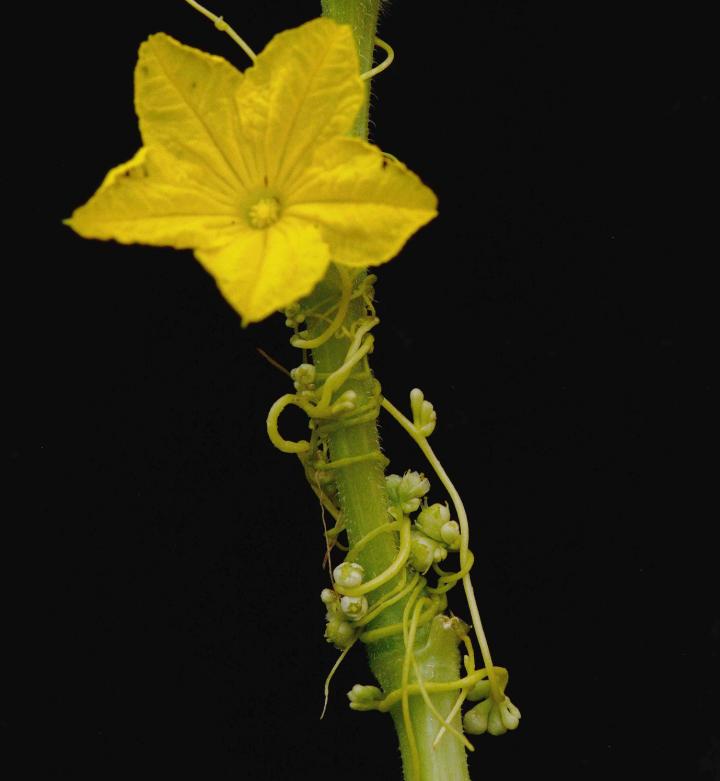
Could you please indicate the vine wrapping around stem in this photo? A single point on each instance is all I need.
(354, 602)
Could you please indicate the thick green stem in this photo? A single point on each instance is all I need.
(363, 501)
(362, 16)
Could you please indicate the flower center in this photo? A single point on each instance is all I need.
(264, 213)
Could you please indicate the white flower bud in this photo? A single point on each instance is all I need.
(424, 552)
(392, 483)
(354, 608)
(450, 533)
(339, 633)
(364, 697)
(510, 714)
(495, 724)
(475, 721)
(431, 519)
(349, 574)
(328, 596)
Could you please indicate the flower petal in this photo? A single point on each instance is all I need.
(304, 89)
(151, 200)
(265, 270)
(185, 100)
(366, 204)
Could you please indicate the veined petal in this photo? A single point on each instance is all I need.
(366, 205)
(151, 200)
(304, 89)
(185, 101)
(265, 270)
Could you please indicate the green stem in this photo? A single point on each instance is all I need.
(362, 16)
(363, 502)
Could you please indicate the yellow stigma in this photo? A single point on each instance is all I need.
(264, 213)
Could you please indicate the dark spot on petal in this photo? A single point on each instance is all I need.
(265, 179)
(193, 85)
(384, 162)
(144, 70)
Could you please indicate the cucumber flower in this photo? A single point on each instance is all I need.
(255, 171)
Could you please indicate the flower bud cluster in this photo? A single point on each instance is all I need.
(343, 611)
(488, 715)
(294, 316)
(493, 717)
(303, 378)
(424, 552)
(405, 492)
(424, 415)
(434, 521)
(433, 533)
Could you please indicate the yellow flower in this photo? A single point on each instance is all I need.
(255, 172)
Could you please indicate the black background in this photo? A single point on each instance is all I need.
(558, 314)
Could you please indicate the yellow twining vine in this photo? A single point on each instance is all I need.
(422, 542)
(224, 27)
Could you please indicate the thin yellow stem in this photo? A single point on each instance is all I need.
(445, 722)
(332, 672)
(284, 445)
(429, 454)
(224, 27)
(393, 526)
(409, 643)
(390, 599)
(338, 377)
(337, 321)
(388, 574)
(384, 65)
(374, 635)
(432, 687)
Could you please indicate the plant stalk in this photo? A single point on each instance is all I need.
(363, 502)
